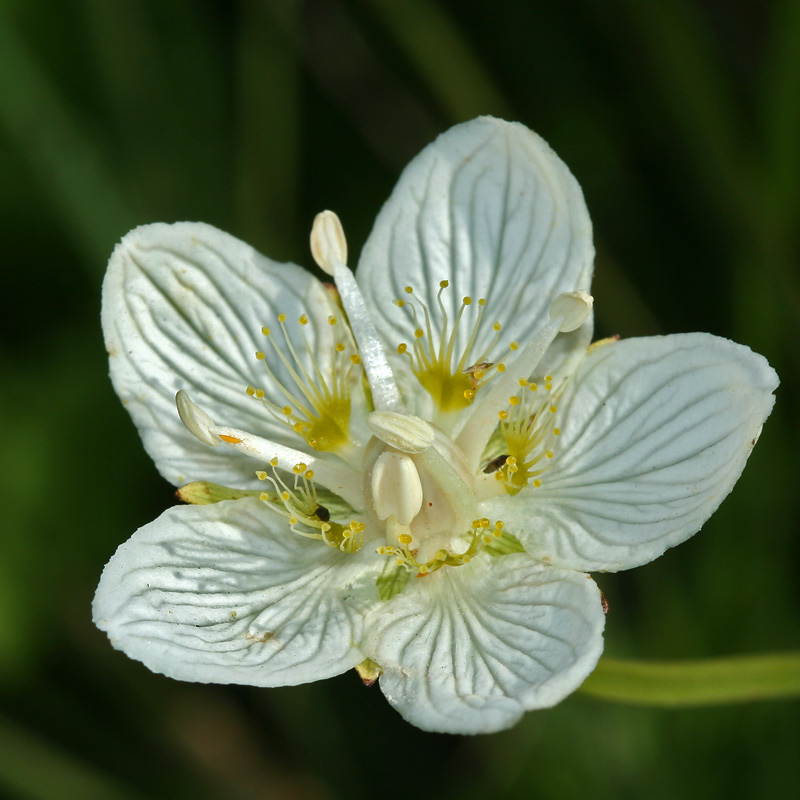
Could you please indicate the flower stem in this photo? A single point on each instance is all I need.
(696, 683)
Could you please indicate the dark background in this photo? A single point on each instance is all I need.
(680, 119)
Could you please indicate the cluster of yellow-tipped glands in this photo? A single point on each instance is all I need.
(483, 534)
(318, 408)
(301, 506)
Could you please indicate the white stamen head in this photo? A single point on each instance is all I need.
(328, 244)
(196, 420)
(396, 487)
(404, 432)
(575, 307)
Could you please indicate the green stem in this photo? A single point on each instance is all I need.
(696, 683)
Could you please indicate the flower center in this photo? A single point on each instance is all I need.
(422, 491)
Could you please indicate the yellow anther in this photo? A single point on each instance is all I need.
(287, 410)
(340, 347)
(355, 359)
(401, 348)
(300, 468)
(263, 497)
(497, 326)
(250, 390)
(404, 538)
(444, 284)
(482, 301)
(331, 320)
(553, 409)
(298, 427)
(523, 381)
(548, 378)
(285, 496)
(303, 319)
(514, 400)
(419, 333)
(399, 303)
(409, 290)
(502, 414)
(537, 483)
(260, 355)
(467, 301)
(534, 387)
(261, 475)
(274, 461)
(556, 431)
(281, 317)
(514, 346)
(549, 454)
(259, 393)
(309, 475)
(266, 331)
(469, 394)
(501, 367)
(230, 439)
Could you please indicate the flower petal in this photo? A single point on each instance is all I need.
(225, 593)
(183, 308)
(491, 208)
(469, 649)
(655, 433)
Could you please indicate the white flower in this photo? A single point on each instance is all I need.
(412, 474)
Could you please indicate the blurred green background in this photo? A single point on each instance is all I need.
(680, 119)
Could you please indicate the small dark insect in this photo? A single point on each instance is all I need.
(495, 464)
(322, 513)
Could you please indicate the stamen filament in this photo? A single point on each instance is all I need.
(382, 383)
(334, 475)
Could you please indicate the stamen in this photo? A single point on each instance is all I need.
(329, 248)
(333, 474)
